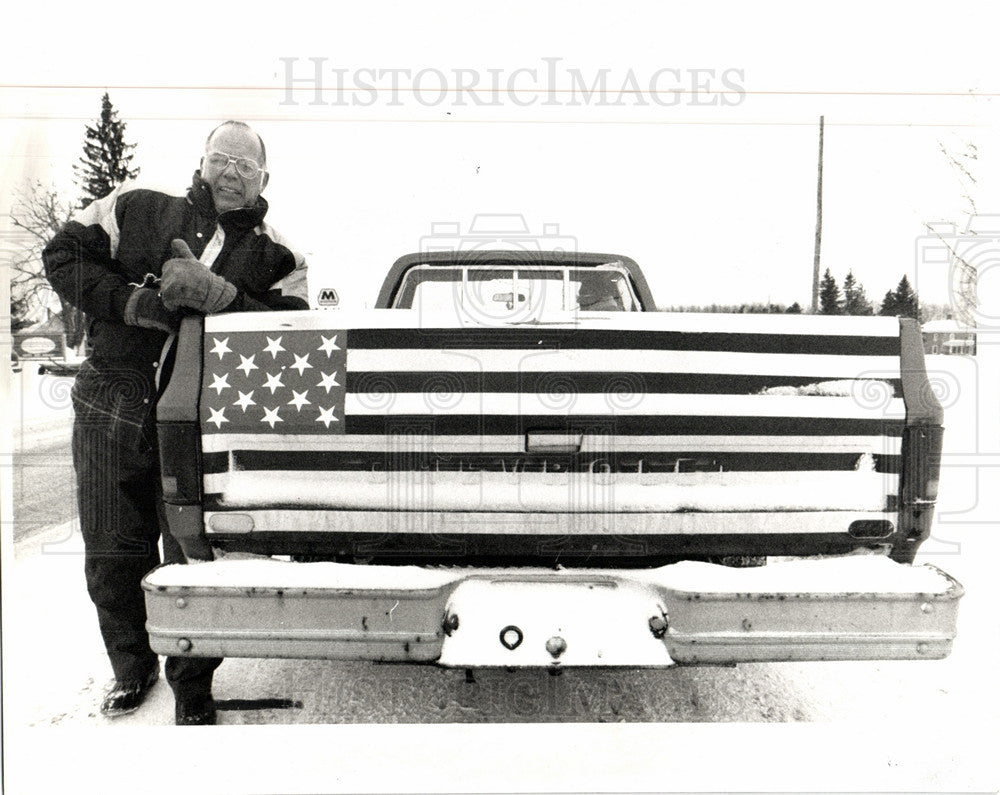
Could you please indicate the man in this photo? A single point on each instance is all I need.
(134, 262)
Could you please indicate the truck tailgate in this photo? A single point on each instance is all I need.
(621, 439)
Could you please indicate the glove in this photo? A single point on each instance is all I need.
(145, 309)
(186, 282)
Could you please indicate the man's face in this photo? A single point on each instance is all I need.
(230, 189)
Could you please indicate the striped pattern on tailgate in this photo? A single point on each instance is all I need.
(630, 412)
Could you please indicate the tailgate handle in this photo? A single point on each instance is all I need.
(553, 442)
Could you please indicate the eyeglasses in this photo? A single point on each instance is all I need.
(245, 167)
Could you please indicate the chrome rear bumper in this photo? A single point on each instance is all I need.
(851, 608)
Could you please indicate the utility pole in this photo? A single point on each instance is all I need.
(819, 221)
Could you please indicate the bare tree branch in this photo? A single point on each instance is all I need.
(963, 174)
(38, 213)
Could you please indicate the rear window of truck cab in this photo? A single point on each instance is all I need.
(500, 290)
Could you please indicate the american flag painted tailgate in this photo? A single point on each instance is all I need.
(648, 432)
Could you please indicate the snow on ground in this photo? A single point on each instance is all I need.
(55, 668)
(38, 398)
(890, 725)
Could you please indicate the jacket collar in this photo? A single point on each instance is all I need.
(200, 195)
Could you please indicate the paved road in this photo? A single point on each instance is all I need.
(43, 480)
(39, 416)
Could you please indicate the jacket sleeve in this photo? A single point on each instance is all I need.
(289, 291)
(247, 303)
(80, 261)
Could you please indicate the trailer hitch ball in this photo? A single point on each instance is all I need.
(555, 646)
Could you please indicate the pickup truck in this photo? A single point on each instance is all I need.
(515, 460)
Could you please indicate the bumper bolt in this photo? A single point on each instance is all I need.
(181, 602)
(658, 626)
(184, 644)
(511, 637)
(926, 607)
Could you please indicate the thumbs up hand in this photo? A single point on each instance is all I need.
(180, 249)
(187, 282)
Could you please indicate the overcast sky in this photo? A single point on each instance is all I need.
(712, 193)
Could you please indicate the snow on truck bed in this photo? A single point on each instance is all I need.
(857, 490)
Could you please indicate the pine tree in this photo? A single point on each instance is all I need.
(794, 309)
(901, 302)
(907, 303)
(855, 300)
(888, 304)
(829, 295)
(106, 156)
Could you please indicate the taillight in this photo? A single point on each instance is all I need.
(918, 488)
(922, 440)
(180, 462)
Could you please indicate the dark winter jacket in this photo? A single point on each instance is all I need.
(97, 257)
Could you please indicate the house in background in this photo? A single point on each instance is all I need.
(949, 336)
